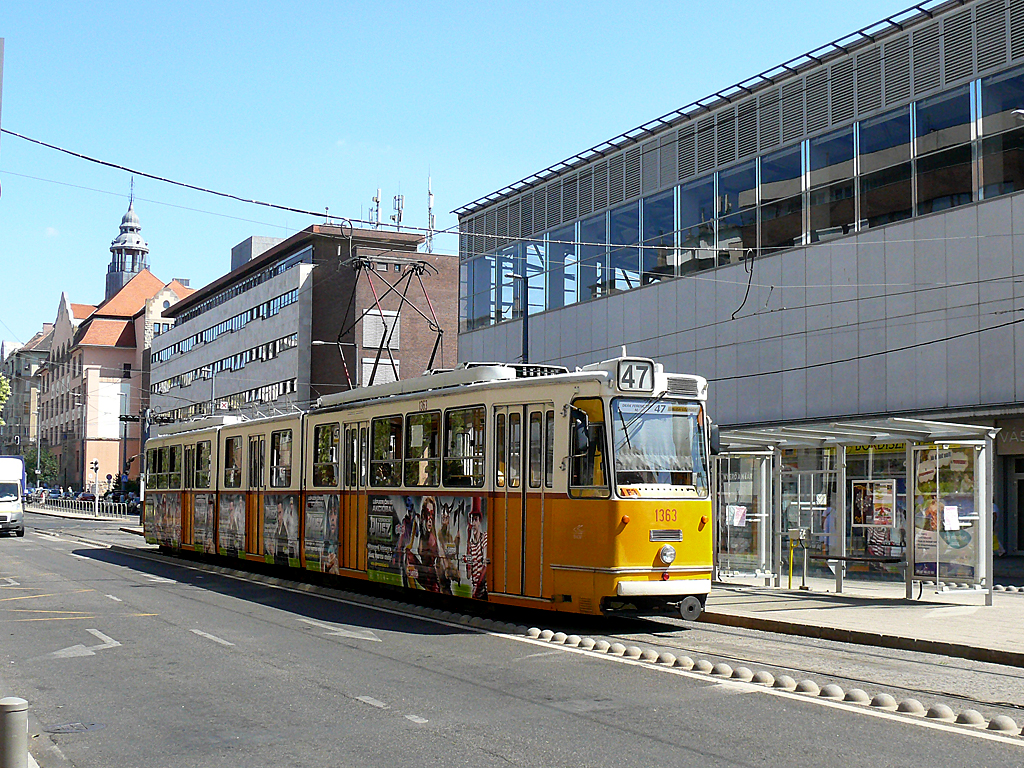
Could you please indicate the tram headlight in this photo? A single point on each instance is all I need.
(667, 554)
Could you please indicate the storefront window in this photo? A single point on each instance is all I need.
(508, 288)
(593, 258)
(737, 211)
(781, 199)
(624, 255)
(833, 198)
(945, 157)
(697, 225)
(885, 184)
(659, 232)
(1002, 163)
(561, 267)
(1001, 95)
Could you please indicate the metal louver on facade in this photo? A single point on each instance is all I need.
(946, 43)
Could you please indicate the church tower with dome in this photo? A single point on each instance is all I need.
(129, 253)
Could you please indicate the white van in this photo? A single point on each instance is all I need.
(12, 489)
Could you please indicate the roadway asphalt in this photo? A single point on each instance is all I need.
(181, 666)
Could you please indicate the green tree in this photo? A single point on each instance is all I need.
(5, 392)
(48, 466)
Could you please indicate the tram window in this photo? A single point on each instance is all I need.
(203, 464)
(587, 478)
(233, 462)
(151, 470)
(364, 453)
(464, 447)
(351, 451)
(174, 467)
(422, 457)
(161, 467)
(325, 455)
(281, 458)
(386, 457)
(499, 450)
(257, 444)
(515, 448)
(536, 449)
(549, 449)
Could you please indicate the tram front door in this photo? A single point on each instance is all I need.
(356, 476)
(523, 443)
(254, 499)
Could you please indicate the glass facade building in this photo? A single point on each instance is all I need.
(837, 237)
(949, 149)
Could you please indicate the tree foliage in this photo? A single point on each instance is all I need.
(48, 466)
(5, 392)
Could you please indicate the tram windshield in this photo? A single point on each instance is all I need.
(658, 448)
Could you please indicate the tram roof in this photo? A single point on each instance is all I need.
(853, 432)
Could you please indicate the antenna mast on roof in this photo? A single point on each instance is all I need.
(430, 218)
(375, 215)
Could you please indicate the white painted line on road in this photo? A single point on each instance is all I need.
(50, 536)
(339, 630)
(10, 582)
(115, 599)
(208, 636)
(536, 655)
(80, 650)
(416, 719)
(372, 702)
(159, 579)
(80, 557)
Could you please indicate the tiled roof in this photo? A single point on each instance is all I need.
(181, 290)
(132, 297)
(82, 311)
(41, 340)
(103, 332)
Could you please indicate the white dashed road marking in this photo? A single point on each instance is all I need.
(115, 599)
(416, 719)
(372, 702)
(339, 630)
(159, 579)
(208, 636)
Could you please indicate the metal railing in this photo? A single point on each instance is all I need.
(86, 508)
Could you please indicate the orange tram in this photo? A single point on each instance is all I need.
(533, 486)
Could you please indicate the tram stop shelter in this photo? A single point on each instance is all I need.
(880, 498)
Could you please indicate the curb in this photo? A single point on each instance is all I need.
(860, 637)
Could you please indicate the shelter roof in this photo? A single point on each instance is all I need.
(853, 432)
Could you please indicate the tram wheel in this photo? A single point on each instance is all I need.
(690, 608)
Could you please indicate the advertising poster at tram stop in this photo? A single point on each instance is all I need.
(167, 518)
(231, 525)
(322, 532)
(203, 532)
(879, 522)
(434, 543)
(281, 529)
(946, 523)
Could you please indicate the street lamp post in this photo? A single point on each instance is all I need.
(524, 310)
(125, 403)
(213, 388)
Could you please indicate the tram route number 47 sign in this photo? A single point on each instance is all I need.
(636, 376)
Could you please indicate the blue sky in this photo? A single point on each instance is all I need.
(316, 105)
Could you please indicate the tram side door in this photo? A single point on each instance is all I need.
(523, 477)
(254, 498)
(188, 496)
(355, 479)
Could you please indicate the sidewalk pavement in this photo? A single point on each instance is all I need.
(954, 623)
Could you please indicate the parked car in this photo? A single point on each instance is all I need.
(86, 496)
